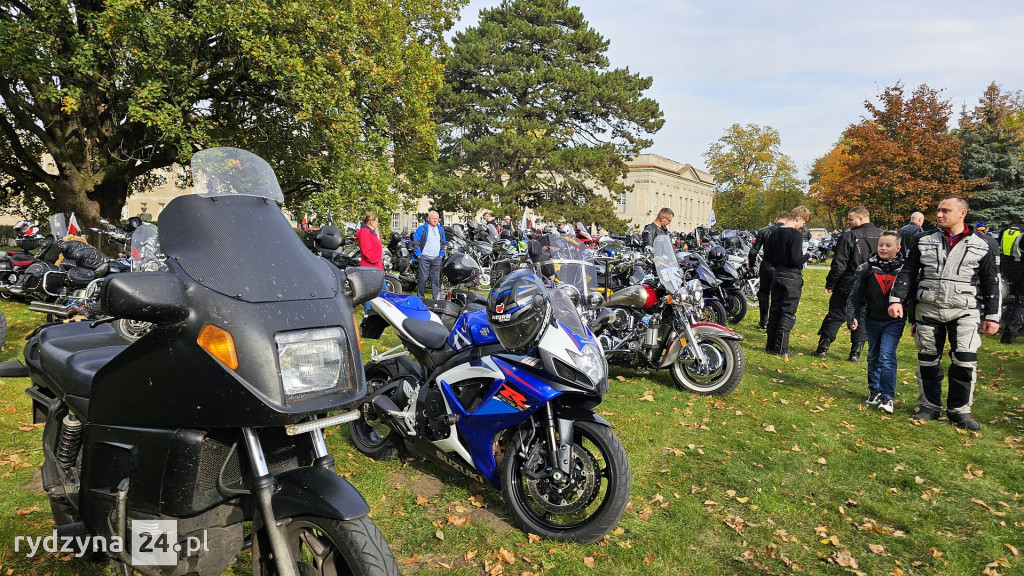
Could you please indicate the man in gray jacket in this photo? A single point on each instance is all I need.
(952, 273)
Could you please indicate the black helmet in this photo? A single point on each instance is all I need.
(517, 310)
(329, 238)
(132, 223)
(460, 269)
(717, 255)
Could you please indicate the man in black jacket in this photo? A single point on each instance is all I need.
(766, 272)
(659, 227)
(854, 248)
(784, 251)
(1012, 266)
(909, 232)
(952, 273)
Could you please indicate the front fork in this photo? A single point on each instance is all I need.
(692, 345)
(560, 440)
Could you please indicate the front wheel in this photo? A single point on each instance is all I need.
(714, 312)
(583, 509)
(327, 546)
(722, 373)
(735, 306)
(392, 284)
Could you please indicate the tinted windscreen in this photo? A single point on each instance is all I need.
(243, 247)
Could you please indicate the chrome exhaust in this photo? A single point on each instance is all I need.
(49, 308)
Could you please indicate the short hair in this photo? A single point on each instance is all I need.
(961, 200)
(894, 234)
(485, 214)
(783, 216)
(800, 212)
(861, 211)
(369, 217)
(434, 213)
(666, 211)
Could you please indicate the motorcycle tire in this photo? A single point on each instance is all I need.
(132, 330)
(736, 306)
(370, 435)
(392, 284)
(328, 546)
(714, 312)
(595, 506)
(726, 365)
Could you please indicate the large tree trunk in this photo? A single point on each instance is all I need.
(104, 201)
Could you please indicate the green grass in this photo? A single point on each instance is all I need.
(792, 473)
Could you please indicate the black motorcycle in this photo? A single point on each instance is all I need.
(209, 427)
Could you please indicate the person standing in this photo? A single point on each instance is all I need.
(659, 227)
(869, 301)
(909, 232)
(1012, 267)
(783, 250)
(952, 277)
(765, 271)
(430, 243)
(853, 248)
(371, 249)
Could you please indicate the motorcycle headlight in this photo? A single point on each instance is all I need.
(313, 360)
(694, 292)
(590, 362)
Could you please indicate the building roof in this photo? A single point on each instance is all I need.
(657, 162)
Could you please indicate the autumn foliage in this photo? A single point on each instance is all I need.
(901, 158)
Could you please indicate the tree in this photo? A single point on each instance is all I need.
(993, 152)
(336, 95)
(901, 159)
(829, 183)
(530, 114)
(754, 179)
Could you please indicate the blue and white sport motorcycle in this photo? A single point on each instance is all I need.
(520, 421)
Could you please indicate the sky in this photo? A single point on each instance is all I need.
(803, 67)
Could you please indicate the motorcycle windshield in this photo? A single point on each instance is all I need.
(145, 249)
(665, 263)
(564, 311)
(239, 243)
(568, 263)
(59, 225)
(225, 171)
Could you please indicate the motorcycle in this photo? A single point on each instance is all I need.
(522, 422)
(14, 262)
(25, 279)
(209, 427)
(730, 284)
(658, 325)
(694, 266)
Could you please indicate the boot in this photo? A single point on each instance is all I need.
(965, 421)
(855, 349)
(823, 343)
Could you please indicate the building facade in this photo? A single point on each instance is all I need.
(659, 182)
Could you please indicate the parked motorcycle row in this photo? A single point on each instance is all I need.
(199, 389)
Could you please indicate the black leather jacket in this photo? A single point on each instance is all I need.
(854, 248)
(652, 231)
(759, 237)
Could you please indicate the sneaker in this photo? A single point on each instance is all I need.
(885, 405)
(874, 396)
(965, 421)
(925, 414)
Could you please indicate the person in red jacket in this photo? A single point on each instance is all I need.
(371, 248)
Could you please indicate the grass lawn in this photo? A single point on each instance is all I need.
(792, 473)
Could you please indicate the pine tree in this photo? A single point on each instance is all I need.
(993, 151)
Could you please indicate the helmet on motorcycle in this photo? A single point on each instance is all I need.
(717, 255)
(460, 269)
(329, 238)
(518, 310)
(132, 223)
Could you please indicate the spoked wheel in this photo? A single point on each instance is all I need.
(329, 547)
(132, 329)
(714, 312)
(750, 292)
(370, 434)
(722, 373)
(392, 284)
(586, 506)
(735, 306)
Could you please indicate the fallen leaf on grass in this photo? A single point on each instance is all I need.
(588, 561)
(935, 553)
(421, 500)
(534, 538)
(647, 397)
(439, 535)
(1011, 549)
(620, 378)
(844, 559)
(987, 507)
(507, 556)
(736, 523)
(470, 555)
(876, 548)
(650, 557)
(769, 428)
(919, 480)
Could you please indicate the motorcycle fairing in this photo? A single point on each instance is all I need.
(515, 396)
(471, 329)
(397, 307)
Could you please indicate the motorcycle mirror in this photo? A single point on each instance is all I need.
(363, 284)
(157, 297)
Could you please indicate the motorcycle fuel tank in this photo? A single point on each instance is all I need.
(638, 296)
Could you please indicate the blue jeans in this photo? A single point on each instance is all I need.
(429, 269)
(883, 339)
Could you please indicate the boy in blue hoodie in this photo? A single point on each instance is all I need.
(869, 303)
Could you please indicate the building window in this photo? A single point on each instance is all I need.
(394, 220)
(622, 198)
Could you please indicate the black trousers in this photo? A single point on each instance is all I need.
(1013, 321)
(765, 275)
(785, 295)
(836, 317)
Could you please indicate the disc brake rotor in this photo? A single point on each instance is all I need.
(574, 496)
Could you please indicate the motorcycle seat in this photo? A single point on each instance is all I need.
(21, 259)
(71, 354)
(22, 263)
(430, 334)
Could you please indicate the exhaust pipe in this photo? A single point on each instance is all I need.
(64, 311)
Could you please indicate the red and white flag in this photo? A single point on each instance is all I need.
(73, 227)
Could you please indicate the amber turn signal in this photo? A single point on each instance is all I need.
(219, 343)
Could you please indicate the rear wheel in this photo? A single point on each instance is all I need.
(583, 509)
(325, 546)
(370, 434)
(392, 284)
(722, 373)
